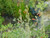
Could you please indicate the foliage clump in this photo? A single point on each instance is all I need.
(23, 28)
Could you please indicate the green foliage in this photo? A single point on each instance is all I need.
(9, 7)
(6, 27)
(19, 33)
(12, 7)
(48, 28)
(23, 29)
(32, 3)
(41, 5)
(1, 20)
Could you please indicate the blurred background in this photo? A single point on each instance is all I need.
(24, 18)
